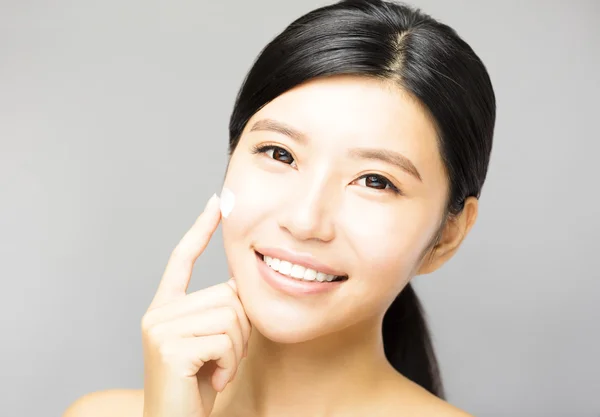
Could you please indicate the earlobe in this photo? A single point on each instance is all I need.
(454, 233)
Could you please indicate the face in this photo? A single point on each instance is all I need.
(358, 186)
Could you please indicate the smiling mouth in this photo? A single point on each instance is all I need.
(298, 272)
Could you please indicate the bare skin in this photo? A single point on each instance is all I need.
(386, 394)
(323, 355)
(415, 400)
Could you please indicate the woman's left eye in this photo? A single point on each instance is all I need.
(378, 182)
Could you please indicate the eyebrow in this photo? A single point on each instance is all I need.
(279, 127)
(384, 155)
(390, 157)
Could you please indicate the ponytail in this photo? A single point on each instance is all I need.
(407, 343)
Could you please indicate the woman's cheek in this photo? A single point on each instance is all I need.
(243, 211)
(255, 194)
(385, 235)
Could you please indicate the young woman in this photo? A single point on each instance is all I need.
(359, 145)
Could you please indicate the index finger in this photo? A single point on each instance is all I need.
(176, 278)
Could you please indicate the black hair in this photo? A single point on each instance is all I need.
(401, 45)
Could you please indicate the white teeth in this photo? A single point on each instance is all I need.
(297, 271)
(310, 274)
(285, 267)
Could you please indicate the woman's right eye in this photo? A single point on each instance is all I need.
(276, 153)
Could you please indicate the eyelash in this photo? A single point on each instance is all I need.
(256, 149)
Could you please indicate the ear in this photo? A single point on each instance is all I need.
(455, 231)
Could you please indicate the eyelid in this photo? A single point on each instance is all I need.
(394, 187)
(271, 144)
(265, 146)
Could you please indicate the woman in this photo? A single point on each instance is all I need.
(359, 144)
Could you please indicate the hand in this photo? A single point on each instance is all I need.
(192, 343)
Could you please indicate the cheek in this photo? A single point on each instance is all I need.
(255, 196)
(244, 214)
(388, 238)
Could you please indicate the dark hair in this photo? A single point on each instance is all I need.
(399, 44)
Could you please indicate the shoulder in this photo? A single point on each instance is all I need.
(444, 409)
(432, 406)
(413, 397)
(109, 403)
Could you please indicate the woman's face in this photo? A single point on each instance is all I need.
(359, 187)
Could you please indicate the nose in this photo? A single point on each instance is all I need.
(309, 214)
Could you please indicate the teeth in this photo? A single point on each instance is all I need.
(285, 267)
(310, 275)
(297, 271)
(274, 263)
(321, 277)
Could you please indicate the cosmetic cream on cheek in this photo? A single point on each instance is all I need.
(227, 202)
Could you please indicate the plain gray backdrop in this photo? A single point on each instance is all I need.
(113, 129)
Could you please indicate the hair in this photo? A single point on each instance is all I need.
(401, 45)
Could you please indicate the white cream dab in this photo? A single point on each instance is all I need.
(227, 202)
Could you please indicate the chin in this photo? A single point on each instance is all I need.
(282, 321)
(278, 331)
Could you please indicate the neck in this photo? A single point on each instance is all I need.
(331, 375)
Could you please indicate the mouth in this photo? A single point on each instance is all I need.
(299, 272)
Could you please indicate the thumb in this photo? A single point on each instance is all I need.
(232, 284)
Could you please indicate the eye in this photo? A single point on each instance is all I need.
(277, 153)
(378, 182)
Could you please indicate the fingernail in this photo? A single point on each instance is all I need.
(227, 202)
(210, 201)
(223, 381)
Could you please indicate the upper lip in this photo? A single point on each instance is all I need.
(300, 258)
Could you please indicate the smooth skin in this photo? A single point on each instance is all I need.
(182, 332)
(328, 351)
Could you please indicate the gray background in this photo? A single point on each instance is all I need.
(113, 129)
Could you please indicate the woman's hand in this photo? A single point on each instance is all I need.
(194, 342)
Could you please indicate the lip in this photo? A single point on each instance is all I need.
(292, 286)
(297, 258)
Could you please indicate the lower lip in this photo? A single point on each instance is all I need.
(290, 285)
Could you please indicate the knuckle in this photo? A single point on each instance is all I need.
(146, 323)
(154, 332)
(167, 351)
(231, 315)
(182, 251)
(177, 256)
(228, 343)
(232, 294)
(229, 290)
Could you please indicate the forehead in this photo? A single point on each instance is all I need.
(351, 111)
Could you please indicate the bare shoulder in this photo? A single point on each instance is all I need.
(444, 409)
(109, 403)
(416, 398)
